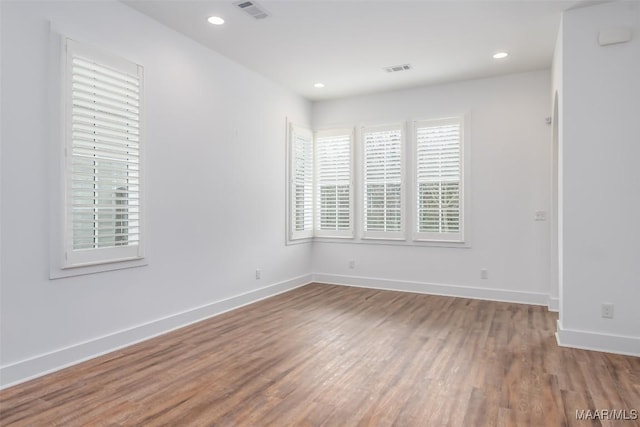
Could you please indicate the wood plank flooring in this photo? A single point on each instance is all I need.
(326, 355)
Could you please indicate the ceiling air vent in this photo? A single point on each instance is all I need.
(397, 68)
(252, 9)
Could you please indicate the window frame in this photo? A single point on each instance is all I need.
(434, 237)
(294, 235)
(375, 234)
(95, 257)
(408, 235)
(340, 234)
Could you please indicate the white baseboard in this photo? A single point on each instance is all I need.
(37, 366)
(434, 289)
(595, 341)
(554, 304)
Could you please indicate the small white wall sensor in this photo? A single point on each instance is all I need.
(614, 36)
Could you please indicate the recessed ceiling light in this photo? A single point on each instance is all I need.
(318, 85)
(500, 55)
(216, 20)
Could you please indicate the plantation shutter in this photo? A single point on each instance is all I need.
(103, 185)
(334, 183)
(301, 192)
(439, 179)
(383, 169)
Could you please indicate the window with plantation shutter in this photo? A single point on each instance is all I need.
(439, 180)
(383, 171)
(103, 184)
(301, 177)
(334, 188)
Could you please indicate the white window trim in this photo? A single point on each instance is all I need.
(294, 236)
(339, 234)
(92, 257)
(406, 237)
(431, 236)
(384, 235)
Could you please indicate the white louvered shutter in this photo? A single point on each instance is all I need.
(301, 191)
(439, 179)
(334, 183)
(383, 170)
(103, 167)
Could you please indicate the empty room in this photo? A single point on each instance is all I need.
(320, 213)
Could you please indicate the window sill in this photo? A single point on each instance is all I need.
(394, 242)
(59, 273)
(301, 241)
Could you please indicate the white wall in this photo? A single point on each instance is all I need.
(215, 185)
(555, 217)
(601, 179)
(510, 180)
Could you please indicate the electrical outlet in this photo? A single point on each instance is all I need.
(352, 264)
(540, 216)
(607, 311)
(484, 273)
(258, 274)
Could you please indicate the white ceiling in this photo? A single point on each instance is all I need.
(345, 44)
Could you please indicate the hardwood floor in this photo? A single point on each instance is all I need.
(341, 356)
